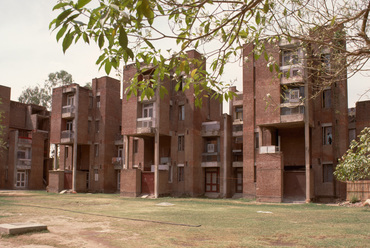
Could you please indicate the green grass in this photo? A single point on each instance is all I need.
(108, 220)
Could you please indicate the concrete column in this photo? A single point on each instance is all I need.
(75, 143)
(307, 143)
(156, 144)
(225, 157)
(126, 142)
(55, 164)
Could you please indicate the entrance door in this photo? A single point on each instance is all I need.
(21, 179)
(212, 180)
(239, 180)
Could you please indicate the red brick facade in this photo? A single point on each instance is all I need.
(25, 163)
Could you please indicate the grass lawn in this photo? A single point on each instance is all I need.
(108, 220)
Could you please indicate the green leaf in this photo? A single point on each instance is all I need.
(82, 3)
(108, 66)
(61, 32)
(86, 38)
(67, 41)
(266, 7)
(258, 18)
(60, 5)
(123, 41)
(101, 40)
(64, 15)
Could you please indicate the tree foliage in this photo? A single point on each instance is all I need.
(355, 163)
(141, 31)
(41, 95)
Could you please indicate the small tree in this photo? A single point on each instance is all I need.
(355, 163)
(41, 95)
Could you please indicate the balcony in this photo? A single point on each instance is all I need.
(145, 125)
(211, 159)
(237, 158)
(117, 163)
(24, 164)
(24, 142)
(295, 74)
(269, 149)
(69, 90)
(237, 128)
(68, 111)
(292, 112)
(67, 137)
(211, 128)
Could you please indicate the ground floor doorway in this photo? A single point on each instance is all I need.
(212, 180)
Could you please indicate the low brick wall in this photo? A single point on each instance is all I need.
(130, 183)
(56, 181)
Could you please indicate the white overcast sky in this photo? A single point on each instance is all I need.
(29, 52)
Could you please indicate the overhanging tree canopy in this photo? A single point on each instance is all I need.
(135, 31)
(355, 163)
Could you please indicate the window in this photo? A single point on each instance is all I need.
(25, 153)
(294, 95)
(97, 126)
(325, 62)
(210, 148)
(96, 150)
(326, 98)
(120, 152)
(327, 173)
(256, 140)
(91, 102)
(98, 101)
(327, 135)
(181, 172)
(69, 125)
(181, 112)
(136, 146)
(147, 110)
(70, 100)
(289, 57)
(66, 154)
(239, 113)
(22, 179)
(295, 73)
(181, 83)
(181, 142)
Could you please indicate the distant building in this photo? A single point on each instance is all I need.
(85, 128)
(25, 163)
(291, 148)
(191, 147)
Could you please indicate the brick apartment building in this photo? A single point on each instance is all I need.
(24, 164)
(85, 132)
(290, 146)
(191, 145)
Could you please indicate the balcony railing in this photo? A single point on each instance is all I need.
(211, 128)
(145, 122)
(269, 149)
(211, 157)
(24, 162)
(68, 109)
(67, 136)
(118, 140)
(118, 163)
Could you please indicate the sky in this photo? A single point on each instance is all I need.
(29, 52)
